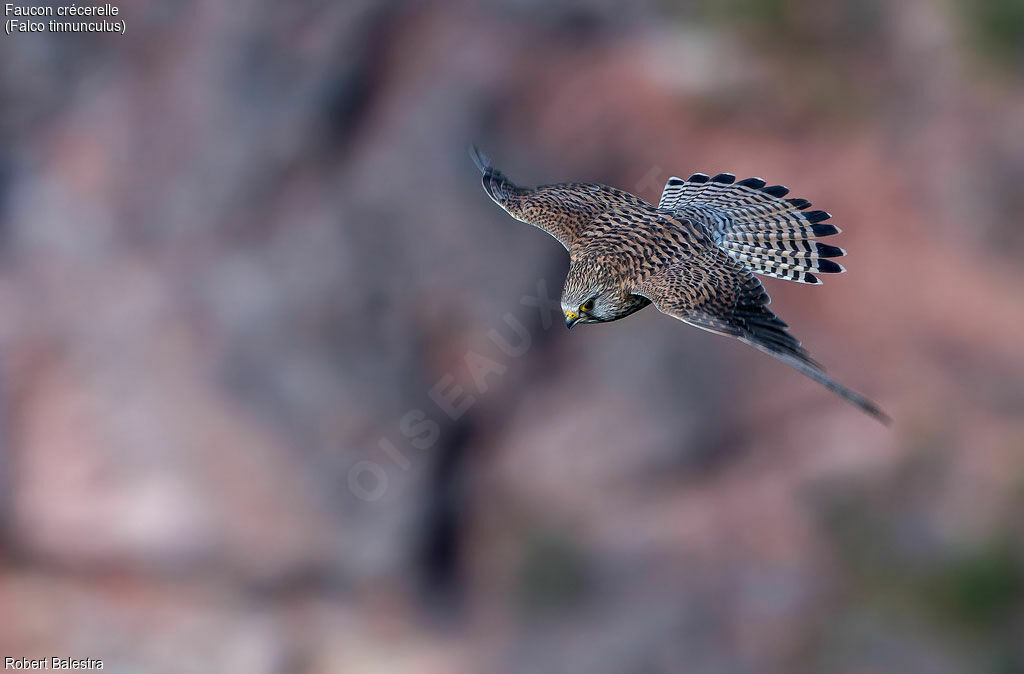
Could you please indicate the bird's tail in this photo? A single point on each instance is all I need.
(756, 225)
(496, 184)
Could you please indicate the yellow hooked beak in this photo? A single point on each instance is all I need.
(571, 318)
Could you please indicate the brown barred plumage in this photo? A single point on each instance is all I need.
(693, 256)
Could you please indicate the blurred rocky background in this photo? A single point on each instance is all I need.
(246, 265)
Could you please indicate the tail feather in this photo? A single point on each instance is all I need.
(798, 248)
(756, 225)
(783, 262)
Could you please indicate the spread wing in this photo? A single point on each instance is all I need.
(563, 210)
(716, 293)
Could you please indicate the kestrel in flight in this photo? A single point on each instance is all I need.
(693, 256)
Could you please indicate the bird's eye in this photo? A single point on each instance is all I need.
(587, 306)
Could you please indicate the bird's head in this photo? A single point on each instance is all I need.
(590, 297)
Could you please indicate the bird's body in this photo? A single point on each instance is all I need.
(693, 256)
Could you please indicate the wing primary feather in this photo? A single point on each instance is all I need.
(817, 374)
(747, 318)
(482, 161)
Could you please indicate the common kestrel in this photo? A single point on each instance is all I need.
(693, 256)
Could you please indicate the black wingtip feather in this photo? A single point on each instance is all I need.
(724, 178)
(776, 190)
(815, 372)
(753, 183)
(699, 178)
(799, 204)
(817, 216)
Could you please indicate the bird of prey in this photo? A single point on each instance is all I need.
(694, 255)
